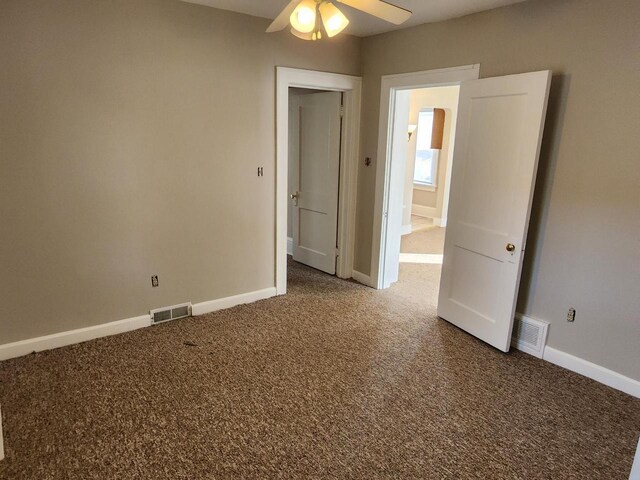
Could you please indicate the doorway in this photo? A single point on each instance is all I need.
(315, 130)
(428, 117)
(431, 124)
(500, 121)
(413, 179)
(350, 88)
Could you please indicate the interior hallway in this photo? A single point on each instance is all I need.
(333, 380)
(421, 262)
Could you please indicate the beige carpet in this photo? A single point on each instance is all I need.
(334, 380)
(429, 241)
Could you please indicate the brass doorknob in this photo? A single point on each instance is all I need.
(511, 247)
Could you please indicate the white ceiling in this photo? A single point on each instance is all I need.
(362, 25)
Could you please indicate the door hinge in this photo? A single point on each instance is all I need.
(341, 111)
(337, 252)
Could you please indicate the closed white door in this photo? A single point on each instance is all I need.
(500, 123)
(314, 191)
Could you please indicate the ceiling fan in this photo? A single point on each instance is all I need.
(308, 18)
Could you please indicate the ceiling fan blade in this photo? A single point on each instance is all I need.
(380, 9)
(282, 20)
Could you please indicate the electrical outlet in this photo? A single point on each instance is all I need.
(261, 171)
(154, 281)
(571, 316)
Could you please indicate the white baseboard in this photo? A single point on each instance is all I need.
(62, 339)
(423, 211)
(228, 302)
(289, 246)
(571, 362)
(361, 278)
(593, 371)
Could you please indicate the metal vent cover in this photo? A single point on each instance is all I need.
(161, 316)
(526, 332)
(179, 312)
(174, 312)
(529, 335)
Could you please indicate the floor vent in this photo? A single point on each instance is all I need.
(165, 314)
(529, 335)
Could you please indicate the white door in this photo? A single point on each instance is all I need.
(314, 191)
(397, 183)
(500, 123)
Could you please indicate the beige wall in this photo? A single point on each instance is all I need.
(130, 136)
(425, 198)
(584, 247)
(132, 130)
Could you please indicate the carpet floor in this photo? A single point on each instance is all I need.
(332, 381)
(424, 241)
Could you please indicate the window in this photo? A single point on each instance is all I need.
(426, 168)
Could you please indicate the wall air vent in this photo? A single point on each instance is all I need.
(529, 335)
(165, 314)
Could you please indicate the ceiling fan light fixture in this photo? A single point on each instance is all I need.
(311, 16)
(333, 19)
(303, 36)
(303, 18)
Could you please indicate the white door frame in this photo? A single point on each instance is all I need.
(1, 437)
(391, 84)
(352, 88)
(635, 468)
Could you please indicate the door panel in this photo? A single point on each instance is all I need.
(500, 122)
(397, 181)
(315, 212)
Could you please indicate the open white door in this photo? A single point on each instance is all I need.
(314, 192)
(397, 184)
(500, 123)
